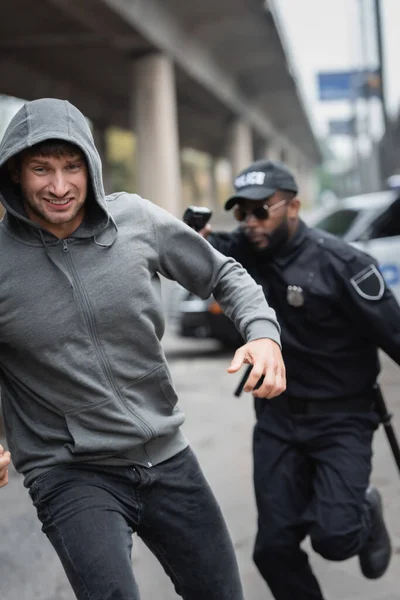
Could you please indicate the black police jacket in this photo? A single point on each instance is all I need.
(333, 306)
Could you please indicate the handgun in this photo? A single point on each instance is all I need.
(197, 217)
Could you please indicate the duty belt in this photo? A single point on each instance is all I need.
(305, 406)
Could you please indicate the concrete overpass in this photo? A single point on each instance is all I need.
(211, 75)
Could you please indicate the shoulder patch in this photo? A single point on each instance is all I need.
(369, 283)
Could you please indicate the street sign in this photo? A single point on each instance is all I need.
(342, 127)
(349, 85)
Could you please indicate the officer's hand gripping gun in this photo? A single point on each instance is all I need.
(197, 217)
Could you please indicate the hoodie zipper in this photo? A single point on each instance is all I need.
(88, 313)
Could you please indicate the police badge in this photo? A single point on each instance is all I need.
(295, 296)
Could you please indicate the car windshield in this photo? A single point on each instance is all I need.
(338, 222)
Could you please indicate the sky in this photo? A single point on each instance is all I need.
(323, 36)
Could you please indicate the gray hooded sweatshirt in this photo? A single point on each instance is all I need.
(82, 370)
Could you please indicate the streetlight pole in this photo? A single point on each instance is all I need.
(381, 63)
(387, 140)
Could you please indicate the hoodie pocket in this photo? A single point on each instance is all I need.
(153, 398)
(105, 429)
(145, 410)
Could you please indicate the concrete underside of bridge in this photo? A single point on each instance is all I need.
(211, 68)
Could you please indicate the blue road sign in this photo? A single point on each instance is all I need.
(342, 127)
(349, 85)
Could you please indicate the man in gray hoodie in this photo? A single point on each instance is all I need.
(89, 407)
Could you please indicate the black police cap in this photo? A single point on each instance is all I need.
(260, 181)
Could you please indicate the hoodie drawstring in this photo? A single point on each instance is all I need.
(110, 243)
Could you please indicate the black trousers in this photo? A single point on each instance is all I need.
(311, 472)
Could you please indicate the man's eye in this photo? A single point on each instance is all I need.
(73, 167)
(39, 170)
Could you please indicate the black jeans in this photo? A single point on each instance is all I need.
(310, 477)
(89, 515)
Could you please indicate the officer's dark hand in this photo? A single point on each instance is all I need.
(266, 357)
(205, 232)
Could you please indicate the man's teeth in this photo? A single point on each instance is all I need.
(59, 201)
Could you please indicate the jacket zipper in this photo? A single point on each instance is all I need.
(88, 313)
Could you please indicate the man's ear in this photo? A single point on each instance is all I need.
(13, 170)
(293, 208)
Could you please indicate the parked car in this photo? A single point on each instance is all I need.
(205, 319)
(369, 221)
(372, 223)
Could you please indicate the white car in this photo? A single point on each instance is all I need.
(372, 223)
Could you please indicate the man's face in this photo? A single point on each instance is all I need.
(54, 191)
(268, 234)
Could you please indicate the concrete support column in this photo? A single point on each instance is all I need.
(273, 151)
(284, 156)
(212, 183)
(241, 146)
(304, 175)
(294, 162)
(308, 185)
(155, 123)
(99, 136)
(260, 148)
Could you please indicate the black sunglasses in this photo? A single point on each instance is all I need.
(259, 212)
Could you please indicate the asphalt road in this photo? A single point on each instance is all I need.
(219, 428)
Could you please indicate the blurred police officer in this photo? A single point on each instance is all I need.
(313, 444)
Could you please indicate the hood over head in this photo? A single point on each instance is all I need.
(47, 119)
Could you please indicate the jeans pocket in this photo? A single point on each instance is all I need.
(182, 466)
(38, 483)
